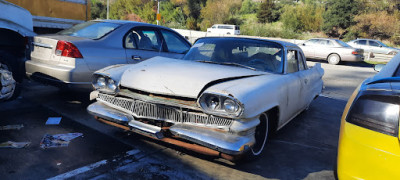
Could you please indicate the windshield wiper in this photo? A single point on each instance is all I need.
(229, 64)
(239, 65)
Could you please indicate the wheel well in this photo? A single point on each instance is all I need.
(273, 115)
(333, 53)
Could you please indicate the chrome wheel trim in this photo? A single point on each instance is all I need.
(258, 152)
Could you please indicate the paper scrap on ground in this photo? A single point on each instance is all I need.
(53, 121)
(10, 127)
(58, 140)
(12, 144)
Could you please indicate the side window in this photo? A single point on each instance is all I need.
(292, 63)
(131, 39)
(311, 42)
(143, 39)
(373, 43)
(174, 42)
(302, 65)
(362, 42)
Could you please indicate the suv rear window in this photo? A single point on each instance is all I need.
(90, 29)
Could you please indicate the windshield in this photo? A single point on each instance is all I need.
(342, 43)
(246, 53)
(90, 29)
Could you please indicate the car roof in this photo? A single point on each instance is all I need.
(325, 39)
(283, 43)
(123, 22)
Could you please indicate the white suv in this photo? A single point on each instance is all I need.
(222, 29)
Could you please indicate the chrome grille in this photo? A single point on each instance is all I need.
(141, 109)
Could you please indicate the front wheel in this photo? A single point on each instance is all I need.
(333, 59)
(392, 53)
(8, 86)
(261, 137)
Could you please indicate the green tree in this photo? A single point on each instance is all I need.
(339, 15)
(248, 7)
(264, 13)
(98, 10)
(303, 17)
(219, 11)
(172, 16)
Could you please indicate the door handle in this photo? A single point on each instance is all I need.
(136, 57)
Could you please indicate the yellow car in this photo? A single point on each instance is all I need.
(369, 143)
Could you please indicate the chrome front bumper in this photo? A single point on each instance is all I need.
(222, 141)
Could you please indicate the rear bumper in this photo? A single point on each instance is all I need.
(60, 76)
(353, 58)
(221, 141)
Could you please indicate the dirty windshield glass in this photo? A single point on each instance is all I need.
(246, 53)
(90, 29)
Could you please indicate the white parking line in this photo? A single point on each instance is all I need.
(79, 170)
(89, 167)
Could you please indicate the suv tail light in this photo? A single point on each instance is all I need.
(376, 112)
(67, 49)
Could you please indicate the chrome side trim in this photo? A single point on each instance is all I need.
(42, 45)
(221, 141)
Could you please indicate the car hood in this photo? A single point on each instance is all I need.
(160, 75)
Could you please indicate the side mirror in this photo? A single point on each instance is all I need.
(303, 44)
(378, 67)
(380, 46)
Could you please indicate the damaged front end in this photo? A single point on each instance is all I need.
(7, 84)
(175, 120)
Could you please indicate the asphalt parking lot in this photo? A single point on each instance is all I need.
(304, 149)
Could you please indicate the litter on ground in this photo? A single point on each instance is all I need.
(53, 121)
(12, 144)
(58, 140)
(11, 127)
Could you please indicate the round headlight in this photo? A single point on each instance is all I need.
(231, 106)
(111, 85)
(212, 102)
(101, 82)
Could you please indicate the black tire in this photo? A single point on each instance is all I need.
(392, 53)
(261, 136)
(333, 59)
(17, 88)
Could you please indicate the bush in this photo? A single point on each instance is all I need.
(302, 17)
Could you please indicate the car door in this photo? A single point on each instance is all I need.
(142, 43)
(308, 48)
(376, 47)
(309, 81)
(324, 49)
(363, 44)
(294, 86)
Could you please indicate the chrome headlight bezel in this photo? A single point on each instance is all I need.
(216, 104)
(105, 84)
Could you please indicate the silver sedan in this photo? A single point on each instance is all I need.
(69, 58)
(333, 50)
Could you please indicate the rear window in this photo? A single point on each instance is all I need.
(90, 29)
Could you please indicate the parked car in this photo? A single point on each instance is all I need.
(69, 58)
(226, 95)
(222, 29)
(369, 143)
(333, 50)
(372, 45)
(16, 32)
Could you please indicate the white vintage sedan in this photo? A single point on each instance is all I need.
(223, 98)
